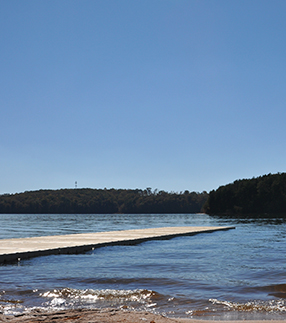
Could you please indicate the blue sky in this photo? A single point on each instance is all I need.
(174, 95)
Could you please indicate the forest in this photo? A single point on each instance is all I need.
(260, 196)
(102, 201)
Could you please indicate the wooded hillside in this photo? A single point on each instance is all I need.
(102, 201)
(257, 196)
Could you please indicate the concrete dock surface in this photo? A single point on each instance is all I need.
(12, 250)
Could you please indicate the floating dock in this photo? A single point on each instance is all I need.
(13, 250)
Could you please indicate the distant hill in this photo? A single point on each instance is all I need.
(257, 196)
(98, 201)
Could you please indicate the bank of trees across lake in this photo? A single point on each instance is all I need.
(102, 201)
(264, 195)
(261, 196)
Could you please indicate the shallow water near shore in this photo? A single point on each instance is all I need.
(235, 274)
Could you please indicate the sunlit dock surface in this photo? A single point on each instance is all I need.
(13, 250)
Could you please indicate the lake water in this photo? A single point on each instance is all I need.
(235, 274)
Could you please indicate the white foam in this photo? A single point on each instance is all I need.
(265, 306)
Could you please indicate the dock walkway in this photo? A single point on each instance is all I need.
(12, 250)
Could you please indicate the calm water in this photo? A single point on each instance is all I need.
(235, 274)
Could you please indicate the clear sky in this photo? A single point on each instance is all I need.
(169, 94)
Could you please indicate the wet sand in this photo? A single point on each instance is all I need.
(106, 316)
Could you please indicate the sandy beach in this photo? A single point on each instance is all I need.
(106, 316)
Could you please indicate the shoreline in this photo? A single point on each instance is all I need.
(108, 316)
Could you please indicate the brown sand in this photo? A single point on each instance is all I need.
(105, 316)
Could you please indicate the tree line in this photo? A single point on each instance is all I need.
(102, 201)
(260, 196)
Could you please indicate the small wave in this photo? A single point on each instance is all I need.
(254, 306)
(130, 299)
(9, 306)
(66, 298)
(105, 294)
